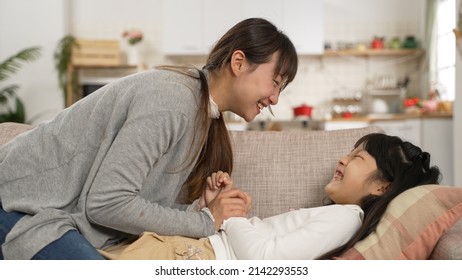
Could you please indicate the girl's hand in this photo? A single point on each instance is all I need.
(215, 183)
(248, 201)
(218, 180)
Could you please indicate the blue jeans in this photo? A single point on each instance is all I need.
(71, 246)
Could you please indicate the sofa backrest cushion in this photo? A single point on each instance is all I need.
(289, 169)
(279, 169)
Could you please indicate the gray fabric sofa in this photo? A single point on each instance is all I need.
(289, 169)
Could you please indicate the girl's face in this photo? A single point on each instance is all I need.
(256, 89)
(350, 182)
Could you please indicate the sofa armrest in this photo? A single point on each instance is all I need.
(449, 246)
(9, 130)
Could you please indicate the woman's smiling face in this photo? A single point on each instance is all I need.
(257, 88)
(351, 180)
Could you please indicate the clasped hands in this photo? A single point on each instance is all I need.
(223, 199)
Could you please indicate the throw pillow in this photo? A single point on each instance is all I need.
(411, 225)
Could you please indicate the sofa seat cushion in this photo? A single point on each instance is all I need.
(412, 225)
(449, 246)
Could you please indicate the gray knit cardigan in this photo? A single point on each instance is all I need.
(109, 165)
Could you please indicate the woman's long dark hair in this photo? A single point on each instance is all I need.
(259, 40)
(399, 162)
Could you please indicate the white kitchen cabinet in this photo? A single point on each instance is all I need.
(218, 17)
(268, 9)
(183, 27)
(303, 22)
(344, 124)
(437, 139)
(192, 27)
(407, 129)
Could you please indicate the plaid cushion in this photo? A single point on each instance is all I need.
(412, 225)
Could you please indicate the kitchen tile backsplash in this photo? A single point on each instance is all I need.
(321, 79)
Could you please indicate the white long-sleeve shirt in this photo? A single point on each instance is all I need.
(300, 234)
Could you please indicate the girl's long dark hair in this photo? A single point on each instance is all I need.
(259, 39)
(399, 162)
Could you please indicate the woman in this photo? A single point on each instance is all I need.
(378, 169)
(112, 165)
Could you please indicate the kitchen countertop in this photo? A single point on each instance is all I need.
(394, 117)
(310, 124)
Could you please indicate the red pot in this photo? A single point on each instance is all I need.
(377, 43)
(303, 110)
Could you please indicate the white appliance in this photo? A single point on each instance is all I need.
(386, 101)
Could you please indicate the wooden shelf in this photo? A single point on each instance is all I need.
(74, 95)
(98, 66)
(375, 52)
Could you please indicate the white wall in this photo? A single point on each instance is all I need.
(107, 19)
(458, 119)
(27, 23)
(317, 82)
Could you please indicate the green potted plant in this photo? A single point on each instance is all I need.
(8, 93)
(63, 60)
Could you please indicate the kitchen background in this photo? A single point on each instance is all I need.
(321, 78)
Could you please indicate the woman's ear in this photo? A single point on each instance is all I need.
(238, 62)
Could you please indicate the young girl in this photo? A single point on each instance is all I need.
(112, 164)
(378, 169)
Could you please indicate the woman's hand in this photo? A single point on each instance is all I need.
(229, 203)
